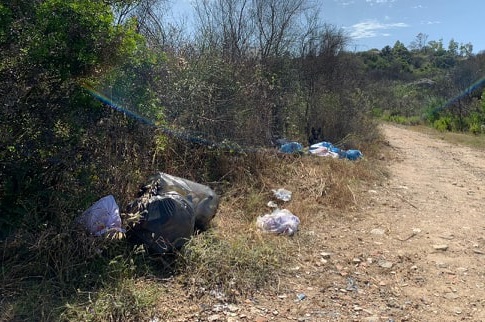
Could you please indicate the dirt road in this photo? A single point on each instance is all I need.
(432, 211)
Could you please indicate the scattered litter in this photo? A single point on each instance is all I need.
(102, 217)
(280, 221)
(282, 194)
(385, 264)
(352, 154)
(411, 235)
(447, 237)
(442, 247)
(377, 231)
(325, 255)
(351, 285)
(323, 144)
(322, 149)
(272, 204)
(301, 296)
(324, 152)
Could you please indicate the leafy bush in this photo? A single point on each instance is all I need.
(475, 122)
(443, 124)
(73, 37)
(475, 128)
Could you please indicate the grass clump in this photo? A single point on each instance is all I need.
(232, 266)
(125, 300)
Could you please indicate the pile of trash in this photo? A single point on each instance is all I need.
(327, 149)
(322, 149)
(165, 215)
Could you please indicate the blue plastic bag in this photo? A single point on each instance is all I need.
(353, 154)
(291, 147)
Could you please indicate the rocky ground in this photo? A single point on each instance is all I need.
(415, 251)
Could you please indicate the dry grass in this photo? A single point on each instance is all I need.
(467, 139)
(96, 280)
(128, 300)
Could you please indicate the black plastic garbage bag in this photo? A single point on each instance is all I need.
(204, 200)
(167, 221)
(170, 210)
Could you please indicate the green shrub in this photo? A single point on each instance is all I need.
(474, 122)
(475, 128)
(443, 124)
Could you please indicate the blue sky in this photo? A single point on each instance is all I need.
(377, 23)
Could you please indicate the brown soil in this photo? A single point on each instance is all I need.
(415, 251)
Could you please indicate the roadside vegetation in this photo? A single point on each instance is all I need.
(98, 95)
(473, 141)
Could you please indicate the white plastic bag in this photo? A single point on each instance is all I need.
(102, 217)
(324, 152)
(282, 194)
(280, 221)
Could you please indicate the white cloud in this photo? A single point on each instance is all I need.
(436, 22)
(373, 28)
(373, 2)
(345, 2)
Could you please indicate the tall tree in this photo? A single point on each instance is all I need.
(453, 47)
(420, 43)
(226, 25)
(466, 50)
(152, 21)
(275, 25)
